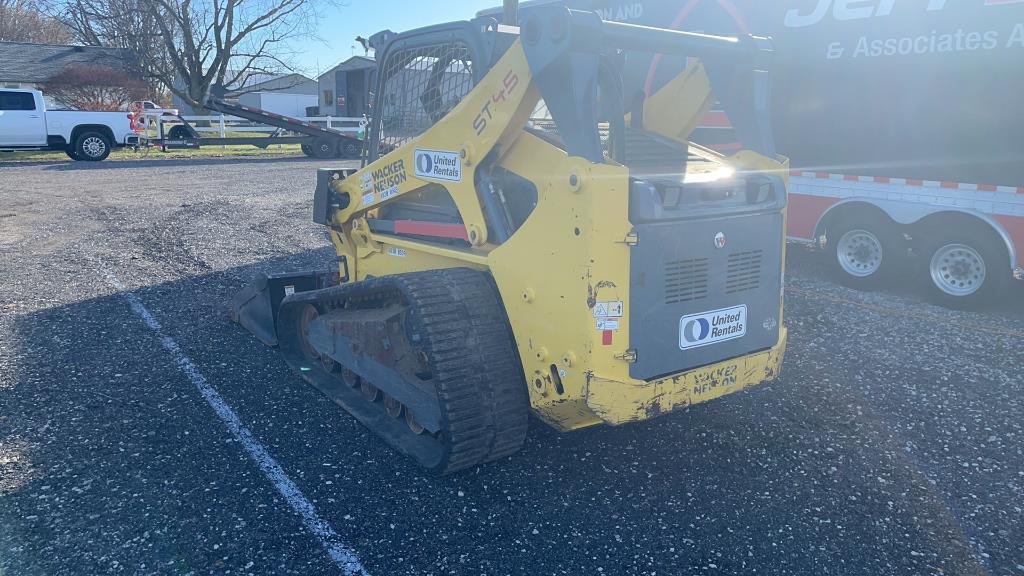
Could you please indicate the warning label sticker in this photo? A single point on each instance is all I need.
(608, 309)
(439, 165)
(606, 324)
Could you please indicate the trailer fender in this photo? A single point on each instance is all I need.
(910, 213)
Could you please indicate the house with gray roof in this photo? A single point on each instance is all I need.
(28, 65)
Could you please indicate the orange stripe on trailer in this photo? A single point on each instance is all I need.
(908, 181)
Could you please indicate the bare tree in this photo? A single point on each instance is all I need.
(189, 46)
(95, 88)
(126, 24)
(27, 21)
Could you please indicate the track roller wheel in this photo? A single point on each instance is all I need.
(413, 425)
(370, 392)
(392, 407)
(351, 378)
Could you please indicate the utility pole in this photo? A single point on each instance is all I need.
(511, 12)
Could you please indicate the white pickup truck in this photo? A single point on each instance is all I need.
(25, 123)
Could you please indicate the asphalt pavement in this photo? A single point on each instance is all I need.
(893, 443)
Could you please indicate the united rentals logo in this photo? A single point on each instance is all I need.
(439, 165)
(712, 327)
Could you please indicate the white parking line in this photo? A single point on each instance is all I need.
(342, 555)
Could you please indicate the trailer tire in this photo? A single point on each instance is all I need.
(350, 149)
(92, 147)
(306, 149)
(863, 256)
(178, 132)
(324, 148)
(963, 270)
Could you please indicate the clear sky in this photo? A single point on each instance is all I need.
(341, 23)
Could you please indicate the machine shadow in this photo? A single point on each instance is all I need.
(60, 365)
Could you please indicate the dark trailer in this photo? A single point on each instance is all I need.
(316, 141)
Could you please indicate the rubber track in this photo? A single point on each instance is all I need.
(461, 320)
(457, 318)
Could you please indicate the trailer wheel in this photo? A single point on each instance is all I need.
(92, 146)
(350, 149)
(864, 256)
(964, 271)
(306, 149)
(324, 147)
(178, 132)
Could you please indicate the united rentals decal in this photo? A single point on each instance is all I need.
(712, 327)
(439, 165)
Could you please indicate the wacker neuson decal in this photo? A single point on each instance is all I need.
(706, 328)
(439, 165)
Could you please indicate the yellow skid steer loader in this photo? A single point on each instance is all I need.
(525, 234)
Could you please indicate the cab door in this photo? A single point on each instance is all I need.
(22, 121)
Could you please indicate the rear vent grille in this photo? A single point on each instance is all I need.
(744, 271)
(686, 280)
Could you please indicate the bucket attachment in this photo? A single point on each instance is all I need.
(255, 306)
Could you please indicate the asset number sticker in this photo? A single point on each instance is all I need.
(399, 252)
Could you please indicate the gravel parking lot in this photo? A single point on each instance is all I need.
(892, 444)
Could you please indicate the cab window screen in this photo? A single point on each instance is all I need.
(420, 86)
